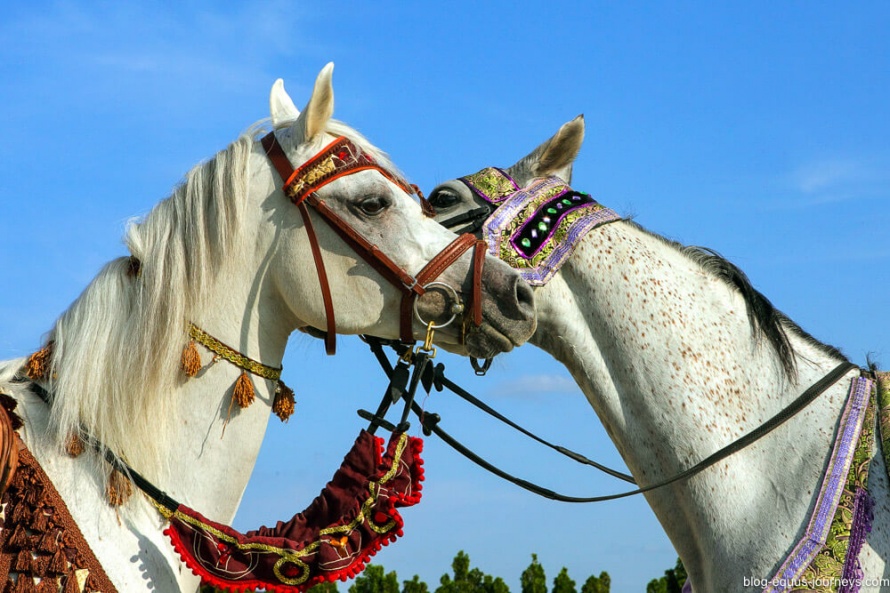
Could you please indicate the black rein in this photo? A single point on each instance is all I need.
(430, 424)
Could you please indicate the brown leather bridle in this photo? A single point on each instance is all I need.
(342, 157)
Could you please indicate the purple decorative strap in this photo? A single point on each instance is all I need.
(863, 515)
(817, 532)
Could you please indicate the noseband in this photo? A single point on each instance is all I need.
(338, 159)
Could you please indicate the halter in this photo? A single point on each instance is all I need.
(338, 159)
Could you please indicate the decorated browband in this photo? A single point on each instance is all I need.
(535, 228)
(339, 158)
(491, 184)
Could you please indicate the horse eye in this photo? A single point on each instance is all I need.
(373, 205)
(444, 198)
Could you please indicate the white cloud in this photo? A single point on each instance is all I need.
(831, 181)
(828, 175)
(536, 385)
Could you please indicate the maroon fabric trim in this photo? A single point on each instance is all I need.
(353, 517)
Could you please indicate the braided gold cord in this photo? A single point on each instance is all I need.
(236, 358)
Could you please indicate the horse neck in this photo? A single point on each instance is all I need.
(214, 441)
(665, 353)
(189, 439)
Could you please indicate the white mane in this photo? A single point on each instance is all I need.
(116, 350)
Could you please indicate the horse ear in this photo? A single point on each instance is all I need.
(281, 106)
(556, 155)
(320, 108)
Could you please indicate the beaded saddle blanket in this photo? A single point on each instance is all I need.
(41, 548)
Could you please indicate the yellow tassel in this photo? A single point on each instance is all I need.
(74, 445)
(243, 394)
(283, 404)
(38, 363)
(191, 359)
(119, 489)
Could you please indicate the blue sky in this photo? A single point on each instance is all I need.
(758, 129)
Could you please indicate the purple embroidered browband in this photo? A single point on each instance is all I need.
(535, 229)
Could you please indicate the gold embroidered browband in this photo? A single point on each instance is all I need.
(491, 184)
(340, 157)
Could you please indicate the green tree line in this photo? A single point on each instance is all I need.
(464, 579)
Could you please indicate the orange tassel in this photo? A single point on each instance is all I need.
(40, 521)
(21, 513)
(191, 359)
(49, 543)
(38, 363)
(284, 403)
(71, 585)
(38, 566)
(48, 585)
(243, 393)
(119, 489)
(23, 562)
(74, 445)
(23, 584)
(58, 564)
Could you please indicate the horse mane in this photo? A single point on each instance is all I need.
(116, 350)
(767, 322)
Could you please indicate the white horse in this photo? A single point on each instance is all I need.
(227, 251)
(679, 356)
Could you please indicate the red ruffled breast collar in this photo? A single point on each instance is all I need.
(353, 517)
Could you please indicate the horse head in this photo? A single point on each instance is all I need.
(374, 202)
(465, 203)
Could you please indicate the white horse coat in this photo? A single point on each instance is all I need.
(228, 252)
(661, 340)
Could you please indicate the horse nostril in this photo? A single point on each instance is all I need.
(525, 299)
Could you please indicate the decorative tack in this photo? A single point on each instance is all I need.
(491, 184)
(284, 403)
(119, 489)
(243, 392)
(38, 363)
(232, 355)
(356, 514)
(535, 229)
(40, 540)
(74, 445)
(191, 359)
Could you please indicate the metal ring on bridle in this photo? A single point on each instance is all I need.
(456, 309)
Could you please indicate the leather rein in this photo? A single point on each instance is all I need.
(435, 377)
(340, 158)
